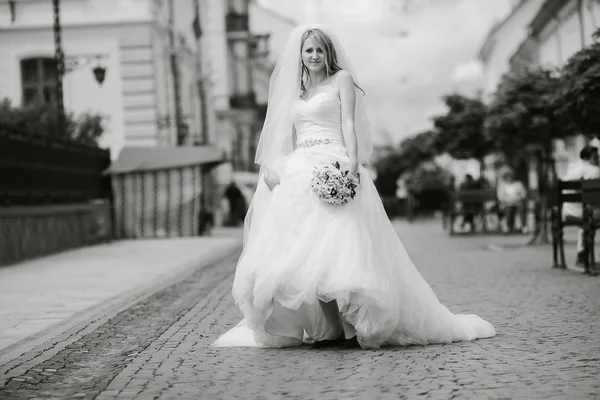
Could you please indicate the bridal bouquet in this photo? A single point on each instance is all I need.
(333, 185)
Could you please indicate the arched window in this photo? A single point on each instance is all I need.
(38, 78)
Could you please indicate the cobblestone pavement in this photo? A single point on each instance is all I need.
(548, 342)
(37, 294)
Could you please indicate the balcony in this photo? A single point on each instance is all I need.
(235, 22)
(259, 46)
(243, 101)
(548, 11)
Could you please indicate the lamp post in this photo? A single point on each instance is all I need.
(59, 58)
(181, 136)
(65, 64)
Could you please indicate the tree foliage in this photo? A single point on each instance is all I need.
(409, 155)
(417, 149)
(460, 131)
(577, 97)
(428, 177)
(85, 129)
(523, 113)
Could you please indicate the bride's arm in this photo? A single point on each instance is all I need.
(348, 99)
(293, 137)
(271, 178)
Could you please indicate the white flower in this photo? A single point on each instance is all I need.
(333, 185)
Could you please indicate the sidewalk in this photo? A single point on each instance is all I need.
(42, 298)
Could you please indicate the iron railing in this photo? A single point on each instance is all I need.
(37, 170)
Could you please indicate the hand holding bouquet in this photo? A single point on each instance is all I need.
(333, 185)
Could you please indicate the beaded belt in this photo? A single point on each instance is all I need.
(313, 142)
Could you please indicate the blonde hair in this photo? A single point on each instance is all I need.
(331, 64)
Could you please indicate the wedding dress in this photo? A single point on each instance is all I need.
(302, 250)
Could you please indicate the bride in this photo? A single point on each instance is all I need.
(316, 272)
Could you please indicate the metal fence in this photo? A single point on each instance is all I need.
(37, 170)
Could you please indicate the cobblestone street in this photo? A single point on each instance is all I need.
(548, 342)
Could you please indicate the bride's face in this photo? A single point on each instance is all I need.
(313, 55)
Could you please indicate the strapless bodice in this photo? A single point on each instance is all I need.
(318, 120)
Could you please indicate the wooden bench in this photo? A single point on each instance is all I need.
(566, 192)
(476, 197)
(590, 196)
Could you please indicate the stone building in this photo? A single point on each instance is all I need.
(130, 40)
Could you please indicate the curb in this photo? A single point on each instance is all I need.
(39, 347)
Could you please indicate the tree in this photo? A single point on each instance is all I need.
(89, 128)
(522, 122)
(522, 115)
(577, 97)
(417, 149)
(460, 132)
(85, 129)
(429, 184)
(428, 176)
(410, 154)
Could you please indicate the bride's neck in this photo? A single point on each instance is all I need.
(317, 78)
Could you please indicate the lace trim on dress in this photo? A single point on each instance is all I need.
(309, 142)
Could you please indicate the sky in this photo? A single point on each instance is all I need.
(407, 53)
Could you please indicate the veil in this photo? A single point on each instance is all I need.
(284, 88)
(275, 141)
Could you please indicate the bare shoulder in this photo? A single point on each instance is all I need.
(343, 78)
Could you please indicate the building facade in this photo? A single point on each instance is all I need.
(236, 63)
(237, 44)
(228, 40)
(503, 40)
(560, 30)
(131, 40)
(541, 33)
(563, 28)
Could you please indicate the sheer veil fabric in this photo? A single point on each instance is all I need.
(275, 142)
(276, 137)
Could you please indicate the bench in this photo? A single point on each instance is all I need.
(477, 197)
(566, 192)
(590, 197)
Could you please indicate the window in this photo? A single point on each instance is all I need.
(38, 77)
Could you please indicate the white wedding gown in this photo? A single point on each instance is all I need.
(300, 249)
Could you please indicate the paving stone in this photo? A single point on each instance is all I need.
(547, 344)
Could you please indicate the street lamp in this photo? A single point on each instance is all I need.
(74, 62)
(70, 63)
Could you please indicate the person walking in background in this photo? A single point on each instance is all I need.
(237, 204)
(584, 168)
(511, 198)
